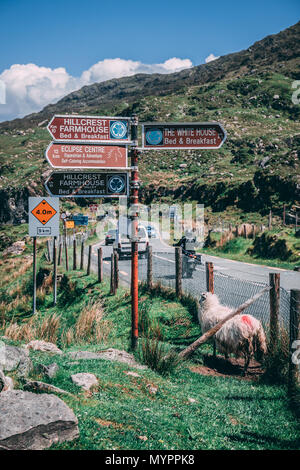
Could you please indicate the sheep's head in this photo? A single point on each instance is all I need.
(208, 298)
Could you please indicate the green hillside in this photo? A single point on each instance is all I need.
(249, 93)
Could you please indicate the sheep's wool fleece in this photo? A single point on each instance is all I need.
(238, 332)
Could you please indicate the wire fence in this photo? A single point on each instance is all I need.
(230, 290)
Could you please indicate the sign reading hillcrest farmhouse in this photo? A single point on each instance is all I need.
(90, 129)
(182, 135)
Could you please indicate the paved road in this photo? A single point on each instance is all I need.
(164, 255)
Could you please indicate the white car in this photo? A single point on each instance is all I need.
(123, 243)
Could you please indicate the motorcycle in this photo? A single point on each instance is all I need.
(189, 263)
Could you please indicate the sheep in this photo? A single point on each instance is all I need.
(211, 313)
(242, 335)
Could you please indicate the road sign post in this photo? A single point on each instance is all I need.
(34, 275)
(134, 244)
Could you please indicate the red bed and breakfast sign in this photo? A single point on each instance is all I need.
(183, 135)
(91, 129)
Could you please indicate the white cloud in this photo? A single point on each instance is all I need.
(210, 58)
(29, 87)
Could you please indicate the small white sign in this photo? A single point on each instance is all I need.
(43, 216)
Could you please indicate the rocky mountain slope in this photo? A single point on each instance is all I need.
(249, 92)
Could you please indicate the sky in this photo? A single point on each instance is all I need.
(51, 48)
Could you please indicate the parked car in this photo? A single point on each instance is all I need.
(152, 233)
(123, 243)
(110, 237)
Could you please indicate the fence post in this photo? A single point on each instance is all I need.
(294, 366)
(274, 281)
(88, 271)
(48, 251)
(149, 268)
(178, 264)
(54, 272)
(82, 255)
(116, 268)
(74, 255)
(209, 277)
(270, 220)
(236, 230)
(66, 246)
(59, 254)
(245, 231)
(112, 275)
(253, 231)
(100, 265)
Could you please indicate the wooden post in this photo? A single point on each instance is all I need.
(48, 251)
(112, 275)
(82, 255)
(274, 281)
(74, 255)
(34, 276)
(149, 268)
(294, 363)
(245, 230)
(66, 246)
(100, 265)
(178, 267)
(116, 266)
(253, 231)
(270, 220)
(54, 272)
(59, 254)
(88, 271)
(236, 230)
(230, 228)
(209, 277)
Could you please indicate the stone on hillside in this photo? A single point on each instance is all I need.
(84, 380)
(110, 354)
(16, 248)
(37, 386)
(14, 358)
(50, 370)
(32, 421)
(6, 383)
(44, 346)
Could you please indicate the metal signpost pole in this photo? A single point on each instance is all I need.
(134, 244)
(54, 271)
(34, 275)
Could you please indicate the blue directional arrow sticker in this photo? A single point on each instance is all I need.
(118, 130)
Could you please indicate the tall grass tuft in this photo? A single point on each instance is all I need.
(276, 362)
(90, 325)
(158, 356)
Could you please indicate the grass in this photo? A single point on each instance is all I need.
(177, 410)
